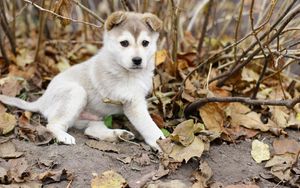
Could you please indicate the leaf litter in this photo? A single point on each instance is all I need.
(187, 140)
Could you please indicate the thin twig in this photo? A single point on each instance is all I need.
(88, 11)
(126, 4)
(204, 28)
(60, 16)
(42, 22)
(3, 52)
(289, 103)
(5, 26)
(237, 28)
(262, 50)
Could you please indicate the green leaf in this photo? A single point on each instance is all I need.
(108, 121)
(165, 132)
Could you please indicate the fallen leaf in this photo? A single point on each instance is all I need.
(125, 160)
(24, 57)
(202, 176)
(8, 151)
(260, 151)
(161, 172)
(143, 160)
(281, 166)
(159, 121)
(7, 123)
(184, 132)
(231, 134)
(242, 186)
(160, 57)
(55, 176)
(23, 185)
(18, 170)
(213, 117)
(167, 184)
(109, 179)
(195, 149)
(10, 86)
(64, 8)
(283, 146)
(102, 146)
(39, 134)
(280, 116)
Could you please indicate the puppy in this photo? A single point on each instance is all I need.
(121, 71)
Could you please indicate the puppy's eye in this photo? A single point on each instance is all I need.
(145, 43)
(124, 43)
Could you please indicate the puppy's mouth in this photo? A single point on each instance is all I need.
(136, 67)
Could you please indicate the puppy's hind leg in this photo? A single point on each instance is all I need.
(98, 130)
(68, 111)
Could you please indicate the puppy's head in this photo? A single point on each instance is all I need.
(131, 38)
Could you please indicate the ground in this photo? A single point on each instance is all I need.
(231, 163)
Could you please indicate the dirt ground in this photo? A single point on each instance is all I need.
(231, 163)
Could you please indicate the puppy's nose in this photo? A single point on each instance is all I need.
(137, 60)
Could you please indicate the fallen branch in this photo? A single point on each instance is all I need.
(289, 103)
(60, 16)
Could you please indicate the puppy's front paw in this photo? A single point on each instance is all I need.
(123, 134)
(154, 145)
(65, 138)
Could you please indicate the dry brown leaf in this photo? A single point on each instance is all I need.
(185, 153)
(233, 133)
(7, 123)
(109, 179)
(143, 160)
(55, 176)
(159, 121)
(8, 151)
(184, 132)
(161, 172)
(102, 146)
(39, 134)
(10, 86)
(281, 166)
(64, 8)
(280, 116)
(18, 170)
(202, 176)
(283, 146)
(168, 184)
(242, 186)
(2, 109)
(23, 185)
(213, 117)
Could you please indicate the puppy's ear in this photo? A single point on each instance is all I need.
(153, 21)
(114, 19)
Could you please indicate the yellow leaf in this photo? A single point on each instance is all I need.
(109, 179)
(7, 123)
(260, 151)
(160, 57)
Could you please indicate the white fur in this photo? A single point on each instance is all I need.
(107, 75)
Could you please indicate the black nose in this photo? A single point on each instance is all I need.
(137, 60)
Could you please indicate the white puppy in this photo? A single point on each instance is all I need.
(121, 71)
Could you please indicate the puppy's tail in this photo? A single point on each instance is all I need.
(30, 106)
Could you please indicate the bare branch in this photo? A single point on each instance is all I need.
(289, 103)
(60, 16)
(89, 11)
